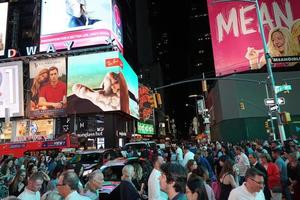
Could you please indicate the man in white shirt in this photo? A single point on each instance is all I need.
(94, 184)
(33, 187)
(179, 154)
(251, 189)
(67, 186)
(154, 192)
(242, 163)
(188, 155)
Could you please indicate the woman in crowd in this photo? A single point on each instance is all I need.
(227, 180)
(190, 166)
(273, 176)
(195, 189)
(127, 189)
(6, 175)
(18, 184)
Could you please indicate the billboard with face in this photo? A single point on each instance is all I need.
(101, 82)
(236, 38)
(11, 89)
(85, 22)
(48, 88)
(3, 23)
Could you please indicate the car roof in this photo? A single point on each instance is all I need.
(119, 162)
(89, 151)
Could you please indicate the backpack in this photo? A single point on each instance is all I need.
(216, 187)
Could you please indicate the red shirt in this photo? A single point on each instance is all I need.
(55, 93)
(273, 175)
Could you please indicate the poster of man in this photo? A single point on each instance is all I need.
(3, 24)
(48, 88)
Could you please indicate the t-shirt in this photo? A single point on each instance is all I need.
(241, 193)
(29, 195)
(55, 93)
(179, 153)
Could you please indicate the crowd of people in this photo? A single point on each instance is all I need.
(192, 171)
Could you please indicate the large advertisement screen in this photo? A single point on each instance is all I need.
(101, 82)
(85, 22)
(48, 88)
(3, 24)
(236, 39)
(11, 89)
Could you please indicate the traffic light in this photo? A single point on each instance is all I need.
(204, 86)
(242, 106)
(152, 101)
(285, 117)
(267, 124)
(158, 98)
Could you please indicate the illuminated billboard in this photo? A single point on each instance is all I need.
(144, 128)
(29, 130)
(48, 88)
(101, 82)
(5, 131)
(3, 24)
(236, 39)
(85, 22)
(11, 89)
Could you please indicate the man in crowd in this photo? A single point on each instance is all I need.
(179, 154)
(242, 163)
(154, 192)
(32, 190)
(94, 184)
(253, 158)
(251, 189)
(67, 186)
(173, 180)
(188, 155)
(53, 94)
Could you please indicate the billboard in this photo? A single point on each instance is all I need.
(27, 130)
(85, 22)
(11, 89)
(48, 88)
(3, 24)
(101, 82)
(145, 129)
(5, 131)
(90, 126)
(236, 39)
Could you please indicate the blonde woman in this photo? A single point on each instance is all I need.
(127, 189)
(40, 79)
(280, 44)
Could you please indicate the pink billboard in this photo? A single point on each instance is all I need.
(236, 39)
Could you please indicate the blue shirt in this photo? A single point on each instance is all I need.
(282, 168)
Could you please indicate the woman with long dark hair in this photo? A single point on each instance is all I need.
(227, 180)
(195, 189)
(18, 184)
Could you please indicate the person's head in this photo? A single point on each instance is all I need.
(265, 158)
(79, 169)
(222, 160)
(138, 171)
(254, 180)
(202, 172)
(157, 161)
(186, 148)
(295, 31)
(127, 172)
(276, 153)
(191, 165)
(96, 180)
(280, 42)
(293, 158)
(227, 167)
(173, 178)
(35, 182)
(41, 77)
(253, 158)
(53, 74)
(67, 183)
(195, 189)
(31, 169)
(238, 150)
(21, 175)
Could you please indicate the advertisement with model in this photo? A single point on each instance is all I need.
(48, 88)
(237, 41)
(101, 82)
(11, 89)
(3, 24)
(84, 22)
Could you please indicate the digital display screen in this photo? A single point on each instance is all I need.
(85, 22)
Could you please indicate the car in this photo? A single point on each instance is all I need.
(92, 159)
(138, 146)
(112, 172)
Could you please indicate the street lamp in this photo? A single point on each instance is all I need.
(268, 62)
